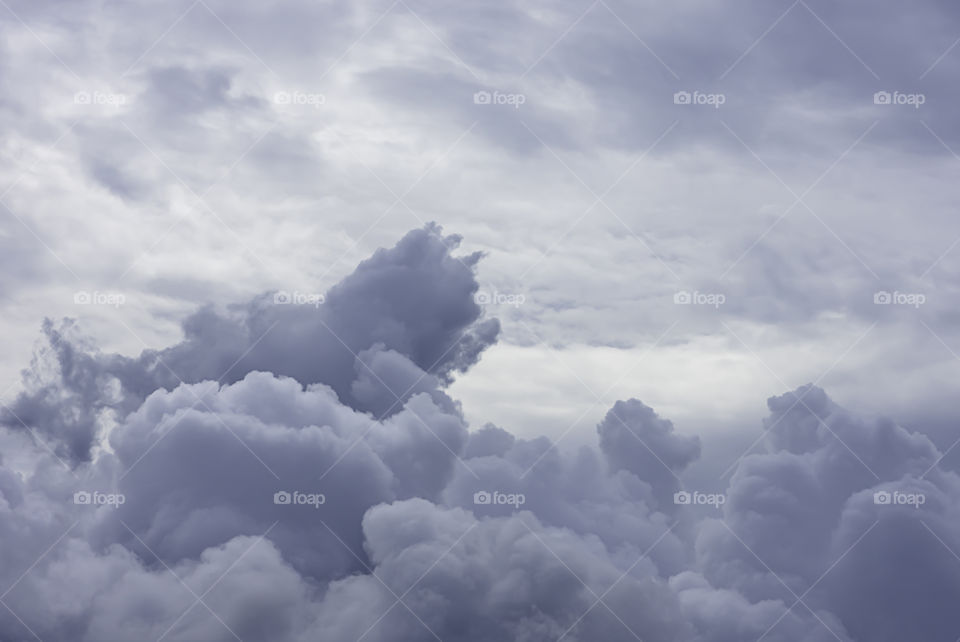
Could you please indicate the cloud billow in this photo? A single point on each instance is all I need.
(293, 472)
(413, 301)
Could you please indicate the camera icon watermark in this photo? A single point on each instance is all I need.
(896, 498)
(297, 498)
(696, 498)
(699, 98)
(914, 299)
(683, 297)
(496, 498)
(899, 98)
(114, 299)
(96, 498)
(284, 297)
(484, 97)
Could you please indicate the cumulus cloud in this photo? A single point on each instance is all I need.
(636, 440)
(290, 471)
(404, 321)
(840, 501)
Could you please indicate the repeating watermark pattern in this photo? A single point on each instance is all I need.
(696, 498)
(699, 98)
(683, 297)
(482, 297)
(298, 498)
(896, 498)
(496, 498)
(96, 498)
(105, 98)
(484, 97)
(299, 98)
(114, 299)
(915, 299)
(899, 98)
(283, 297)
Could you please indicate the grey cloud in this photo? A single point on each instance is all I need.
(769, 79)
(498, 579)
(24, 253)
(724, 615)
(793, 513)
(359, 383)
(415, 300)
(278, 437)
(352, 398)
(183, 92)
(575, 491)
(118, 599)
(634, 438)
(198, 492)
(386, 377)
(875, 587)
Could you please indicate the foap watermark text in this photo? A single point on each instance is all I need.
(914, 299)
(113, 299)
(699, 98)
(96, 498)
(896, 498)
(899, 98)
(699, 298)
(298, 498)
(283, 297)
(299, 98)
(696, 498)
(484, 97)
(483, 297)
(496, 498)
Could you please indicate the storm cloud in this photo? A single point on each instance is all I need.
(249, 391)
(403, 322)
(334, 489)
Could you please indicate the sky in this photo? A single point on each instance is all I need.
(590, 255)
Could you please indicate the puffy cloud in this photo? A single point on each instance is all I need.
(635, 439)
(202, 463)
(319, 481)
(414, 300)
(577, 491)
(839, 501)
(724, 615)
(461, 578)
(239, 589)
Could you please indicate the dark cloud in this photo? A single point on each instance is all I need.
(500, 578)
(292, 498)
(403, 322)
(803, 520)
(277, 437)
(833, 526)
(636, 440)
(779, 66)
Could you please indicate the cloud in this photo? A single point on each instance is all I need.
(291, 498)
(201, 187)
(803, 519)
(409, 310)
(636, 440)
(500, 578)
(202, 197)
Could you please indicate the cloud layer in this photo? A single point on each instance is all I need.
(295, 470)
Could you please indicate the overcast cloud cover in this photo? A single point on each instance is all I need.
(484, 321)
